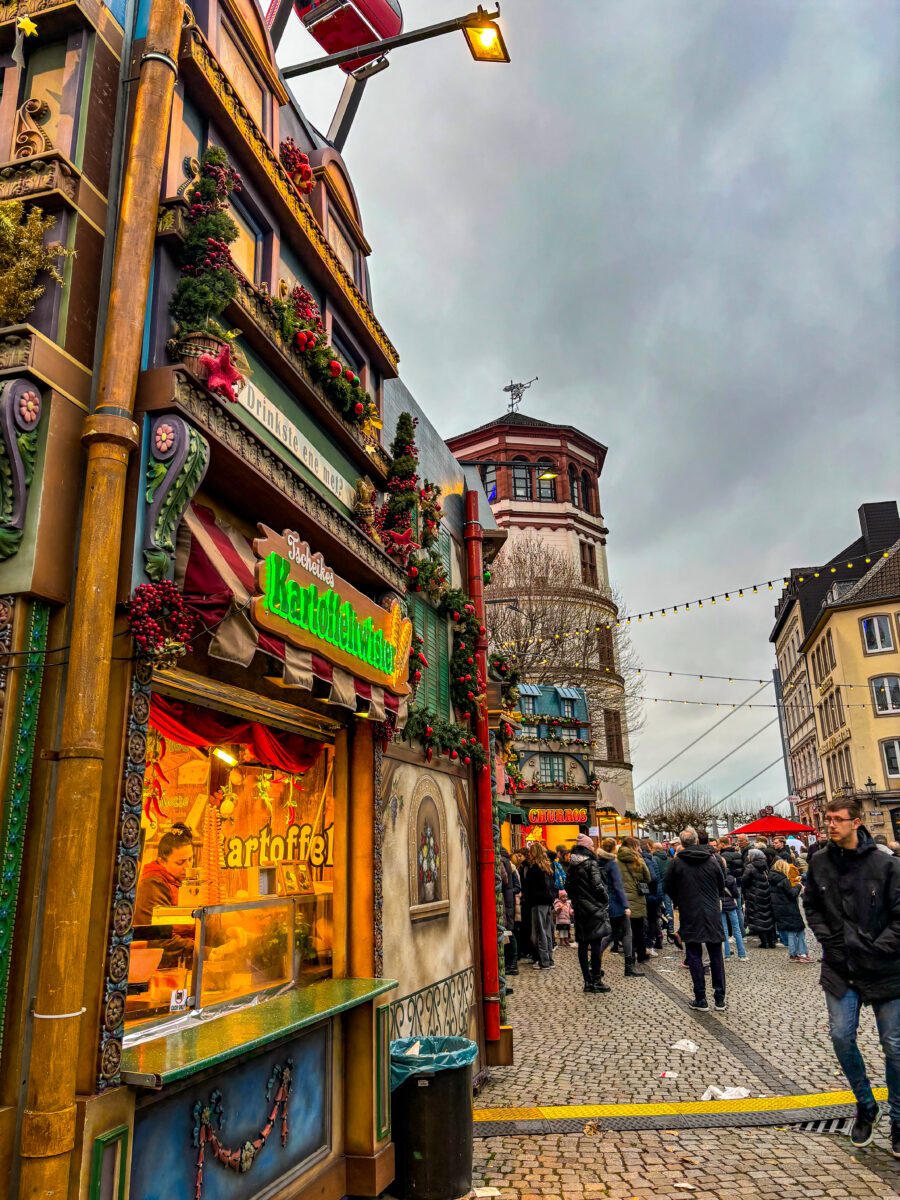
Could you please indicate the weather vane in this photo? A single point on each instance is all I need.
(516, 392)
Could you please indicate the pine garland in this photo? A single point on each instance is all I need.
(23, 256)
(435, 734)
(208, 280)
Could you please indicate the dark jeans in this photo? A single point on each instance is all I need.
(542, 933)
(843, 1018)
(596, 959)
(654, 930)
(694, 951)
(767, 939)
(511, 955)
(621, 932)
(638, 937)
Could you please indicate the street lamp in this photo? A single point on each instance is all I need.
(481, 31)
(871, 787)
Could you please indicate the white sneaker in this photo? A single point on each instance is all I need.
(652, 954)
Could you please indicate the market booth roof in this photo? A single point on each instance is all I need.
(215, 569)
(774, 825)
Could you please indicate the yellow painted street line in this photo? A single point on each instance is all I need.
(677, 1108)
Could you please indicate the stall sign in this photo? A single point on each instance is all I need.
(261, 407)
(557, 816)
(299, 843)
(305, 603)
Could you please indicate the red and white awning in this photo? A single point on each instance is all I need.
(215, 569)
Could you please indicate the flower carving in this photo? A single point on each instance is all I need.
(164, 438)
(29, 408)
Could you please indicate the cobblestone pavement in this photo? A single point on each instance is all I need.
(578, 1049)
(613, 1049)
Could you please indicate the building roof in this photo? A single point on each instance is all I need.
(879, 523)
(523, 421)
(880, 583)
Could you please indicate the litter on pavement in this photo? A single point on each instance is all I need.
(717, 1093)
(686, 1045)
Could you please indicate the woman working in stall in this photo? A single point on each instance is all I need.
(158, 888)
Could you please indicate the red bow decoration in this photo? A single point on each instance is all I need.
(221, 373)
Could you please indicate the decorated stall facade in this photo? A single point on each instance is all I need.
(268, 788)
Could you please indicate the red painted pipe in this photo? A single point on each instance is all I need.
(490, 963)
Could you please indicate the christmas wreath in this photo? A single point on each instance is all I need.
(160, 622)
(296, 163)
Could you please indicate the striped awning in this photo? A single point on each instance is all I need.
(215, 569)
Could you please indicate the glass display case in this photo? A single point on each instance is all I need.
(237, 951)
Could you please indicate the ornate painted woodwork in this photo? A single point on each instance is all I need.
(176, 466)
(21, 409)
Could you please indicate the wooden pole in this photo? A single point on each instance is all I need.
(110, 435)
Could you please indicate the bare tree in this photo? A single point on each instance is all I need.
(563, 631)
(671, 807)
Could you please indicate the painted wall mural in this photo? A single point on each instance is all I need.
(426, 900)
(267, 1119)
(428, 885)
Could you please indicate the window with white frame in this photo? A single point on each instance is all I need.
(526, 704)
(886, 691)
(529, 731)
(568, 734)
(568, 708)
(878, 636)
(891, 751)
(552, 768)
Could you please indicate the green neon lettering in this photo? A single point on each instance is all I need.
(277, 571)
(326, 616)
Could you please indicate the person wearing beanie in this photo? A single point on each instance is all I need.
(586, 886)
(563, 915)
(758, 899)
(619, 912)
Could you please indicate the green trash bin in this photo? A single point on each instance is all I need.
(431, 1117)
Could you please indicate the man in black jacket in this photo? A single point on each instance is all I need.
(852, 904)
(590, 900)
(696, 883)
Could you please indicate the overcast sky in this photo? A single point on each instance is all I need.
(683, 216)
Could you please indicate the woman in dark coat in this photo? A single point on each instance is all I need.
(637, 883)
(587, 890)
(786, 908)
(758, 899)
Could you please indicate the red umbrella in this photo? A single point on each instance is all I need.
(774, 825)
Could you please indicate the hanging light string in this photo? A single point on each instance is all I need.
(739, 593)
(732, 678)
(721, 703)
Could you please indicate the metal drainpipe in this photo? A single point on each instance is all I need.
(109, 435)
(490, 963)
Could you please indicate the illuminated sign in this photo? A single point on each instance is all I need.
(306, 604)
(267, 848)
(557, 816)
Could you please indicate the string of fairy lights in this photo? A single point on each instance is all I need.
(672, 610)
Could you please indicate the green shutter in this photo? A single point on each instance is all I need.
(434, 687)
(444, 547)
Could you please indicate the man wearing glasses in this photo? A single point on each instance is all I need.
(852, 904)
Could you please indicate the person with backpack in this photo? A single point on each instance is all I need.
(587, 891)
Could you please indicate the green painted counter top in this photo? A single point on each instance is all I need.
(166, 1060)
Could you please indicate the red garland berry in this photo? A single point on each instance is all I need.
(413, 572)
(348, 375)
(467, 760)
(359, 409)
(335, 368)
(428, 731)
(453, 754)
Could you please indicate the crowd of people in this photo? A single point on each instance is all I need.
(705, 895)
